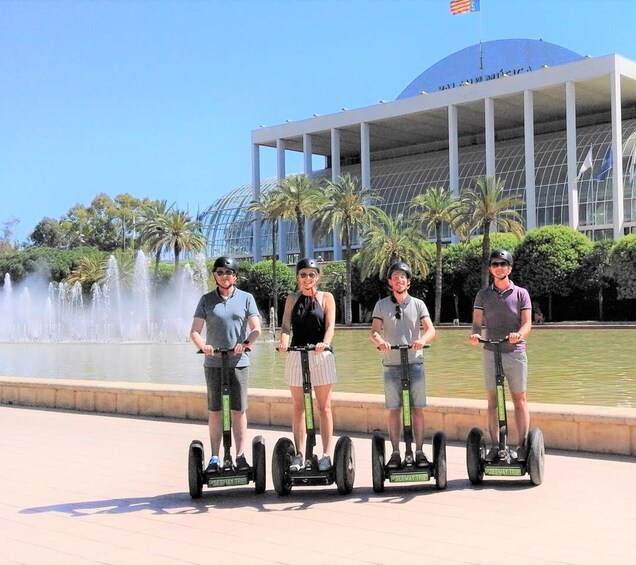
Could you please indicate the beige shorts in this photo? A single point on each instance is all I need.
(322, 367)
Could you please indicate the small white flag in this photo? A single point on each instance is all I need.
(587, 163)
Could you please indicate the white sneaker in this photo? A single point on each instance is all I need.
(297, 463)
(325, 463)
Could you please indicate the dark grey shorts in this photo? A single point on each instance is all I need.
(515, 365)
(238, 388)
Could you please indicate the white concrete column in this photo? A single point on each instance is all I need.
(489, 124)
(617, 157)
(365, 156)
(453, 151)
(528, 134)
(309, 224)
(335, 177)
(570, 132)
(453, 158)
(280, 176)
(256, 196)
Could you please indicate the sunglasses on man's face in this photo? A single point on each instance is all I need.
(499, 264)
(308, 275)
(222, 273)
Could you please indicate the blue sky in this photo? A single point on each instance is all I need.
(158, 98)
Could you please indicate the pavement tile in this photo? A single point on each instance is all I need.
(91, 488)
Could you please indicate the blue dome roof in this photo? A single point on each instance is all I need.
(479, 63)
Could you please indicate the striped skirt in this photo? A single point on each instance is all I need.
(322, 367)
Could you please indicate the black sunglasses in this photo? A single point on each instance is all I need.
(222, 273)
(499, 264)
(398, 312)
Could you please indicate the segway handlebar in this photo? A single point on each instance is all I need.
(492, 341)
(407, 346)
(223, 350)
(305, 348)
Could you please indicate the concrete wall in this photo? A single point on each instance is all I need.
(577, 428)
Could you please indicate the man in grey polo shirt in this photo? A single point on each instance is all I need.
(504, 309)
(232, 321)
(402, 319)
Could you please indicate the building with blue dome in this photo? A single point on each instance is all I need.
(557, 127)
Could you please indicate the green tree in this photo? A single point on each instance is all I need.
(594, 273)
(260, 282)
(623, 265)
(547, 259)
(179, 232)
(152, 222)
(268, 207)
(349, 207)
(387, 240)
(484, 207)
(436, 207)
(48, 232)
(297, 197)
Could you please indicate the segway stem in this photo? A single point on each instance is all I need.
(500, 392)
(310, 425)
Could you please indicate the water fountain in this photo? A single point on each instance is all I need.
(44, 311)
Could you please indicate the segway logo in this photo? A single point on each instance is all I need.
(228, 482)
(409, 477)
(503, 471)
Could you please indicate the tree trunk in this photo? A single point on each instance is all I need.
(438, 274)
(347, 276)
(274, 321)
(485, 254)
(600, 303)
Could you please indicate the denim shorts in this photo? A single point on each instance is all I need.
(515, 366)
(393, 386)
(238, 388)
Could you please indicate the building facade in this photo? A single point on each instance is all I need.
(557, 127)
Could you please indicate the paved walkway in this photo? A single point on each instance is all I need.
(84, 488)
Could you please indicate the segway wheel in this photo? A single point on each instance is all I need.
(281, 460)
(195, 469)
(377, 463)
(536, 456)
(258, 460)
(475, 455)
(439, 459)
(345, 464)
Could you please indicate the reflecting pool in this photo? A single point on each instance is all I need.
(572, 366)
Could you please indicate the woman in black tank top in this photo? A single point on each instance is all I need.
(309, 318)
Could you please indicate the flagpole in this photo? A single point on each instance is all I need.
(481, 51)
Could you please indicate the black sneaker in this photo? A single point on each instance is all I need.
(521, 453)
(420, 459)
(493, 455)
(395, 462)
(241, 463)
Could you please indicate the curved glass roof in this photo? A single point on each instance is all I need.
(487, 61)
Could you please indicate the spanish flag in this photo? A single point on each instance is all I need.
(463, 6)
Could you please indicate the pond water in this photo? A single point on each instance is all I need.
(573, 366)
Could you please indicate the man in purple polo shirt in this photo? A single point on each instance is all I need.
(504, 310)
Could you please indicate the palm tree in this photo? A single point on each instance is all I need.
(387, 240)
(152, 222)
(268, 208)
(485, 206)
(347, 206)
(177, 231)
(297, 197)
(433, 209)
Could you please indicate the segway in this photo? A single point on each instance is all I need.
(342, 471)
(507, 462)
(408, 471)
(227, 474)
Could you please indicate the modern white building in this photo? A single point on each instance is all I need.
(557, 127)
